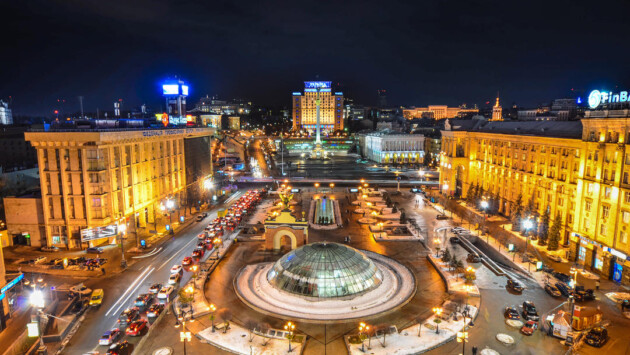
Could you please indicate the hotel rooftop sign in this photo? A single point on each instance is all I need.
(599, 98)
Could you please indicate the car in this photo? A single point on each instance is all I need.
(137, 328)
(564, 289)
(201, 236)
(50, 249)
(80, 290)
(511, 313)
(441, 217)
(155, 288)
(155, 310)
(552, 290)
(197, 253)
(582, 294)
(529, 327)
(128, 316)
(597, 337)
(187, 261)
(143, 300)
(529, 311)
(562, 277)
(94, 250)
(110, 337)
(473, 258)
(165, 292)
(176, 269)
(97, 297)
(554, 257)
(122, 348)
(200, 218)
(454, 240)
(174, 279)
(514, 286)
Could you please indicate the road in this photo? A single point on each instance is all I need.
(122, 289)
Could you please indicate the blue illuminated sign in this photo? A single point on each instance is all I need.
(170, 89)
(185, 90)
(339, 93)
(596, 98)
(297, 94)
(8, 286)
(317, 84)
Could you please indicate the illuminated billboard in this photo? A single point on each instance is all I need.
(170, 89)
(185, 90)
(317, 84)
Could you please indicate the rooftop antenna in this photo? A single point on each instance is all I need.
(81, 104)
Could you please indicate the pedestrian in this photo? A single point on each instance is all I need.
(597, 285)
(103, 270)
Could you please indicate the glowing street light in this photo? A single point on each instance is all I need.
(37, 300)
(364, 330)
(213, 308)
(436, 320)
(290, 327)
(436, 241)
(170, 204)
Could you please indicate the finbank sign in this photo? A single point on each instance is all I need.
(597, 98)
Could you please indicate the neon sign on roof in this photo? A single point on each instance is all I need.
(317, 84)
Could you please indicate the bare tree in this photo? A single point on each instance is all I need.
(226, 316)
(264, 328)
(251, 324)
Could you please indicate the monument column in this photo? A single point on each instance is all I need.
(318, 140)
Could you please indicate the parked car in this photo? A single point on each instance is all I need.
(122, 348)
(174, 279)
(165, 292)
(511, 313)
(473, 258)
(80, 290)
(554, 257)
(552, 290)
(597, 337)
(529, 327)
(564, 289)
(514, 286)
(97, 297)
(529, 311)
(155, 310)
(176, 269)
(137, 328)
(562, 277)
(94, 250)
(50, 249)
(128, 316)
(582, 294)
(441, 217)
(110, 337)
(155, 288)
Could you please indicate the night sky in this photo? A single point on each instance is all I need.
(421, 52)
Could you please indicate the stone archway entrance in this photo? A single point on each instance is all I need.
(277, 239)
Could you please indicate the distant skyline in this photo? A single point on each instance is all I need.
(421, 52)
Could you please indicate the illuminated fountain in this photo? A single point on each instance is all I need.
(324, 213)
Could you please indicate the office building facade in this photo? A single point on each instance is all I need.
(92, 182)
(438, 112)
(331, 107)
(579, 170)
(393, 148)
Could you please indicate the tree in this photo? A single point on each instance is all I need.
(454, 262)
(428, 160)
(394, 209)
(554, 233)
(446, 256)
(251, 325)
(264, 328)
(184, 296)
(383, 328)
(480, 193)
(470, 195)
(543, 232)
(517, 215)
(403, 217)
(226, 316)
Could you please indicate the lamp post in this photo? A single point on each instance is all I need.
(397, 180)
(332, 187)
(37, 300)
(363, 329)
(213, 308)
(122, 228)
(573, 271)
(316, 186)
(436, 241)
(290, 327)
(438, 312)
(484, 207)
(528, 225)
(184, 336)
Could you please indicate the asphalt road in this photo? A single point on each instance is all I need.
(122, 289)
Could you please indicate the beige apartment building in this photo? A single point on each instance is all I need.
(578, 169)
(94, 182)
(437, 112)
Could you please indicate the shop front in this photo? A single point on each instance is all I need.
(605, 261)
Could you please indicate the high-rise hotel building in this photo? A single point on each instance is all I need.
(579, 170)
(94, 181)
(305, 107)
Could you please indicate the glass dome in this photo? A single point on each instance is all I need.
(325, 270)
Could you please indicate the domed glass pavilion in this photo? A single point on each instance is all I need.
(325, 270)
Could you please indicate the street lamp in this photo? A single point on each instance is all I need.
(484, 207)
(37, 300)
(332, 186)
(213, 308)
(436, 241)
(438, 312)
(290, 327)
(573, 271)
(184, 336)
(364, 330)
(527, 225)
(397, 180)
(316, 186)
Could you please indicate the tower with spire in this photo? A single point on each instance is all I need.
(497, 111)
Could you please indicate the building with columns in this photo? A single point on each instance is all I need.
(331, 107)
(579, 170)
(393, 148)
(438, 112)
(94, 181)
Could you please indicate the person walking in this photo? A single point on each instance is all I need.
(103, 270)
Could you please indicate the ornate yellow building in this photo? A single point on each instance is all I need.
(579, 170)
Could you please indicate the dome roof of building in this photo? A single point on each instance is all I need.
(325, 270)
